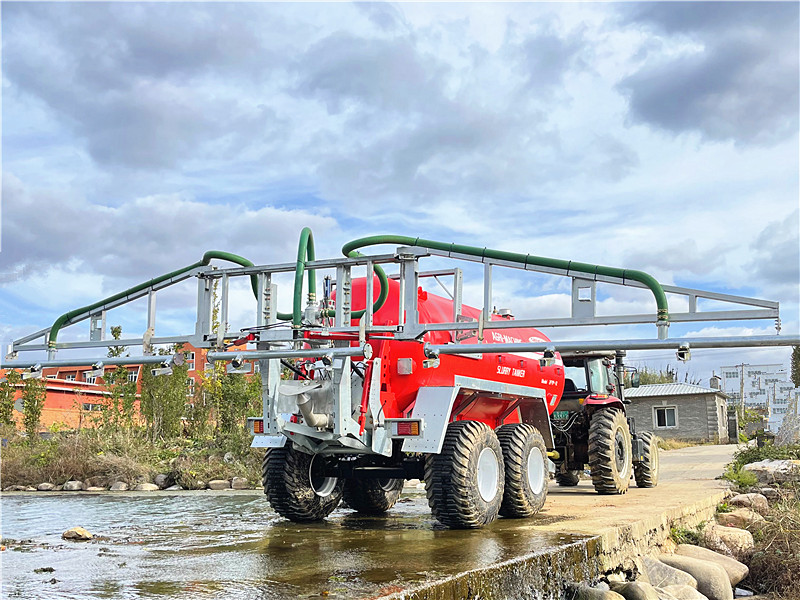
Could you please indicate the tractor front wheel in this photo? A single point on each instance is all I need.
(372, 496)
(568, 478)
(465, 482)
(297, 487)
(525, 457)
(645, 472)
(610, 456)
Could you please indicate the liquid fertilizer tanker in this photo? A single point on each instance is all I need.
(391, 382)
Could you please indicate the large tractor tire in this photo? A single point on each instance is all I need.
(296, 488)
(372, 496)
(465, 482)
(645, 472)
(568, 478)
(610, 455)
(525, 459)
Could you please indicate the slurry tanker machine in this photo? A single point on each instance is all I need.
(388, 382)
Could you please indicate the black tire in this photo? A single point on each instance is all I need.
(287, 477)
(646, 472)
(372, 496)
(452, 480)
(610, 456)
(568, 478)
(525, 461)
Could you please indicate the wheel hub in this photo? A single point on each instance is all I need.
(536, 470)
(323, 486)
(488, 472)
(620, 452)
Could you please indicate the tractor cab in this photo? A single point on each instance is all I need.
(589, 378)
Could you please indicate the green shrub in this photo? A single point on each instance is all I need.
(741, 479)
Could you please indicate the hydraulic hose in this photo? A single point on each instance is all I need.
(207, 257)
(524, 259)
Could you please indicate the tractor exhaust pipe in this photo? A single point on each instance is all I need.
(311, 418)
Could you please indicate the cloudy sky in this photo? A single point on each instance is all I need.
(653, 136)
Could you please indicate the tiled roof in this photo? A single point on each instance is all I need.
(670, 389)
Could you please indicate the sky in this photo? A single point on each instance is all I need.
(654, 136)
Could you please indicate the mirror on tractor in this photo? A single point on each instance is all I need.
(635, 379)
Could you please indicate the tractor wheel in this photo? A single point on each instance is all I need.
(296, 488)
(372, 496)
(525, 458)
(646, 472)
(465, 482)
(610, 456)
(568, 478)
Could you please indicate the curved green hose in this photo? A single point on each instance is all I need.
(234, 258)
(525, 259)
(305, 252)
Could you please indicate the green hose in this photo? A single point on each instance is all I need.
(66, 317)
(524, 259)
(305, 252)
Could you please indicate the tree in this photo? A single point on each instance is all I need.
(119, 409)
(8, 390)
(115, 351)
(33, 395)
(163, 399)
(796, 366)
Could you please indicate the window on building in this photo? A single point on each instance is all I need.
(88, 406)
(89, 378)
(51, 376)
(190, 361)
(69, 377)
(665, 416)
(208, 367)
(190, 387)
(133, 376)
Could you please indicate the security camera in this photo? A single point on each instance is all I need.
(548, 357)
(684, 353)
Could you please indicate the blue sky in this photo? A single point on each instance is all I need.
(654, 136)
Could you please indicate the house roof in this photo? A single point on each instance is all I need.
(670, 389)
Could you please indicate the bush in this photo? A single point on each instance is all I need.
(742, 480)
(770, 451)
(682, 535)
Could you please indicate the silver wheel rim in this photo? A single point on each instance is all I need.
(322, 486)
(488, 472)
(536, 470)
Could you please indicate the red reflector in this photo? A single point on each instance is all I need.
(258, 426)
(408, 428)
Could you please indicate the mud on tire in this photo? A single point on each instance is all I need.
(287, 476)
(645, 472)
(569, 478)
(470, 456)
(610, 455)
(525, 459)
(372, 496)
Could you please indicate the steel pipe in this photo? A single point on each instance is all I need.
(365, 351)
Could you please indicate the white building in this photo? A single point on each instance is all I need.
(763, 387)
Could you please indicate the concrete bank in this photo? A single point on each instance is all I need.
(611, 532)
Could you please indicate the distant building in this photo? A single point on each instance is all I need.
(764, 388)
(680, 410)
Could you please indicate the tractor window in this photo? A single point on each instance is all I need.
(598, 376)
(576, 375)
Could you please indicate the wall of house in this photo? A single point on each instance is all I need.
(698, 417)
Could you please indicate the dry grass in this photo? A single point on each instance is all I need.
(676, 444)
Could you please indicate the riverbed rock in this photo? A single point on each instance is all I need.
(77, 533)
(200, 485)
(741, 518)
(736, 571)
(45, 487)
(712, 580)
(119, 486)
(581, 591)
(753, 501)
(95, 488)
(96, 481)
(173, 488)
(661, 575)
(219, 484)
(635, 590)
(774, 471)
(73, 486)
(239, 483)
(682, 592)
(734, 542)
(145, 487)
(160, 480)
(770, 493)
(30, 488)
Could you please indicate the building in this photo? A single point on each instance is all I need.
(74, 393)
(764, 388)
(680, 411)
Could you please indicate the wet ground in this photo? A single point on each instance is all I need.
(232, 545)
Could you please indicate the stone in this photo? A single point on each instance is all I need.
(45, 487)
(96, 481)
(683, 592)
(239, 483)
(73, 486)
(712, 580)
(774, 471)
(219, 484)
(635, 590)
(581, 591)
(731, 541)
(661, 575)
(29, 488)
(736, 571)
(160, 480)
(145, 487)
(200, 485)
(119, 486)
(94, 489)
(741, 518)
(229, 457)
(58, 488)
(77, 533)
(756, 502)
(173, 488)
(8, 488)
(770, 493)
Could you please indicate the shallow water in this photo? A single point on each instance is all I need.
(231, 544)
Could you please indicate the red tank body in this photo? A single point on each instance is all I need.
(398, 391)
